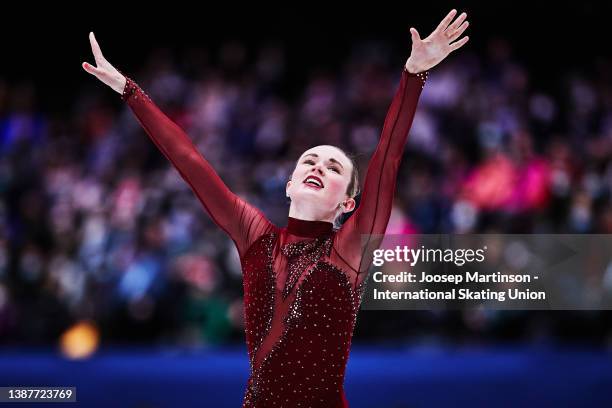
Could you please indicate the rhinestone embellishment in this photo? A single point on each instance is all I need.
(132, 90)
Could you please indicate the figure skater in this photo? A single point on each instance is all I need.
(303, 283)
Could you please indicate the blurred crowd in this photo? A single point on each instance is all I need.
(97, 226)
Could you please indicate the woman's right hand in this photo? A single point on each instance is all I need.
(103, 70)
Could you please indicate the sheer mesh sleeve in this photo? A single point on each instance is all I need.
(243, 222)
(374, 210)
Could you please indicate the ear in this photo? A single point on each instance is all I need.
(287, 188)
(349, 205)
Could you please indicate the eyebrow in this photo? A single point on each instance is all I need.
(331, 159)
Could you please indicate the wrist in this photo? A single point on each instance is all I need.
(415, 71)
(119, 83)
(412, 68)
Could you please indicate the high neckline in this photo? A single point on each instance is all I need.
(310, 229)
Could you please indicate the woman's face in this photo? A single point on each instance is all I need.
(320, 180)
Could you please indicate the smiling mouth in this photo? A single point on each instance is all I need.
(313, 181)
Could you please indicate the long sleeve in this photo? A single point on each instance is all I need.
(372, 215)
(243, 222)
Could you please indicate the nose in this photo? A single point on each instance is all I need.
(318, 169)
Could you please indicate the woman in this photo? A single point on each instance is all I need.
(302, 283)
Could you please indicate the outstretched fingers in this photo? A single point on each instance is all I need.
(415, 35)
(451, 28)
(458, 44)
(91, 69)
(446, 21)
(95, 48)
(460, 31)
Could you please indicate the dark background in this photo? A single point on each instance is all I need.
(510, 358)
(552, 37)
(44, 51)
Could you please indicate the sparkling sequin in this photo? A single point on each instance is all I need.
(131, 89)
(309, 354)
(421, 75)
(302, 284)
(302, 254)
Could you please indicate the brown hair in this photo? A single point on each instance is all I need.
(353, 187)
(352, 190)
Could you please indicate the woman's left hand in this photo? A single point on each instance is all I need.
(429, 52)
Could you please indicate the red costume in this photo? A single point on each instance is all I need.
(302, 283)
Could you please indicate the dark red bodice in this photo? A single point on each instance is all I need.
(302, 283)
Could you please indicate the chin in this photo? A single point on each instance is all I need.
(309, 192)
(314, 200)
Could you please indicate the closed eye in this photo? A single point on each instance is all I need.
(332, 168)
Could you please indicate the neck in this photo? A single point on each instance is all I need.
(311, 229)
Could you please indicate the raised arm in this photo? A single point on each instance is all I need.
(243, 222)
(374, 210)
